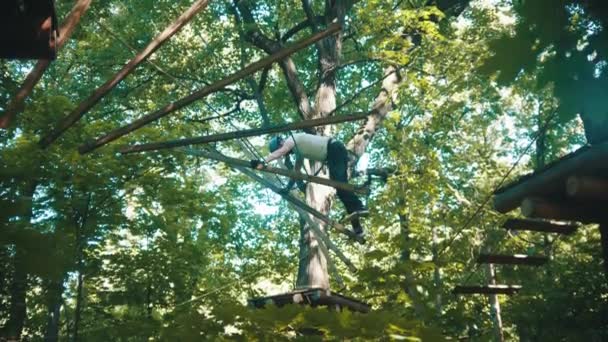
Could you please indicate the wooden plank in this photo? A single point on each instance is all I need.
(516, 259)
(537, 225)
(98, 94)
(244, 133)
(34, 76)
(287, 173)
(587, 159)
(587, 188)
(488, 289)
(203, 92)
(587, 212)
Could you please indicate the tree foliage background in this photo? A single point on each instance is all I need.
(166, 246)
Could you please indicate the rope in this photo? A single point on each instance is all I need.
(500, 183)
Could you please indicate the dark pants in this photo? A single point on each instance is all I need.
(337, 162)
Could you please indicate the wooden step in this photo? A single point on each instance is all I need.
(538, 225)
(516, 259)
(488, 289)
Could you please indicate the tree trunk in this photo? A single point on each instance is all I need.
(410, 280)
(18, 309)
(78, 309)
(495, 306)
(317, 196)
(54, 311)
(437, 274)
(604, 237)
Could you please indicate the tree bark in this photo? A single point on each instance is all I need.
(382, 105)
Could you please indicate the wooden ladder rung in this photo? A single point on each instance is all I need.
(488, 289)
(516, 259)
(537, 225)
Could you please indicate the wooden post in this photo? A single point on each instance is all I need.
(16, 105)
(591, 188)
(495, 305)
(98, 94)
(244, 133)
(203, 92)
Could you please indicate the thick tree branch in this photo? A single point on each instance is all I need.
(254, 36)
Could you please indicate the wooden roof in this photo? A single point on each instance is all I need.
(571, 188)
(313, 297)
(28, 29)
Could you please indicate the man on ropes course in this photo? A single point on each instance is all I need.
(322, 149)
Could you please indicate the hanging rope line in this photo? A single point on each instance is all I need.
(500, 183)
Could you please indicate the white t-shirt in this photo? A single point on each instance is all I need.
(307, 146)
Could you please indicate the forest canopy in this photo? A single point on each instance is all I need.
(457, 97)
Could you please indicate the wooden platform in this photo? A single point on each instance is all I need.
(545, 226)
(575, 183)
(516, 259)
(572, 188)
(28, 29)
(313, 297)
(489, 289)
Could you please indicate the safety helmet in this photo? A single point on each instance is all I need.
(275, 143)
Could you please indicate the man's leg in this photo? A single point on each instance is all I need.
(337, 162)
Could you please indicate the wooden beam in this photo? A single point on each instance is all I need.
(181, 103)
(516, 259)
(244, 133)
(298, 205)
(287, 173)
(98, 94)
(587, 159)
(545, 226)
(65, 31)
(547, 209)
(590, 188)
(488, 289)
(291, 199)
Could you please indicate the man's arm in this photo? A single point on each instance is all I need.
(283, 151)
